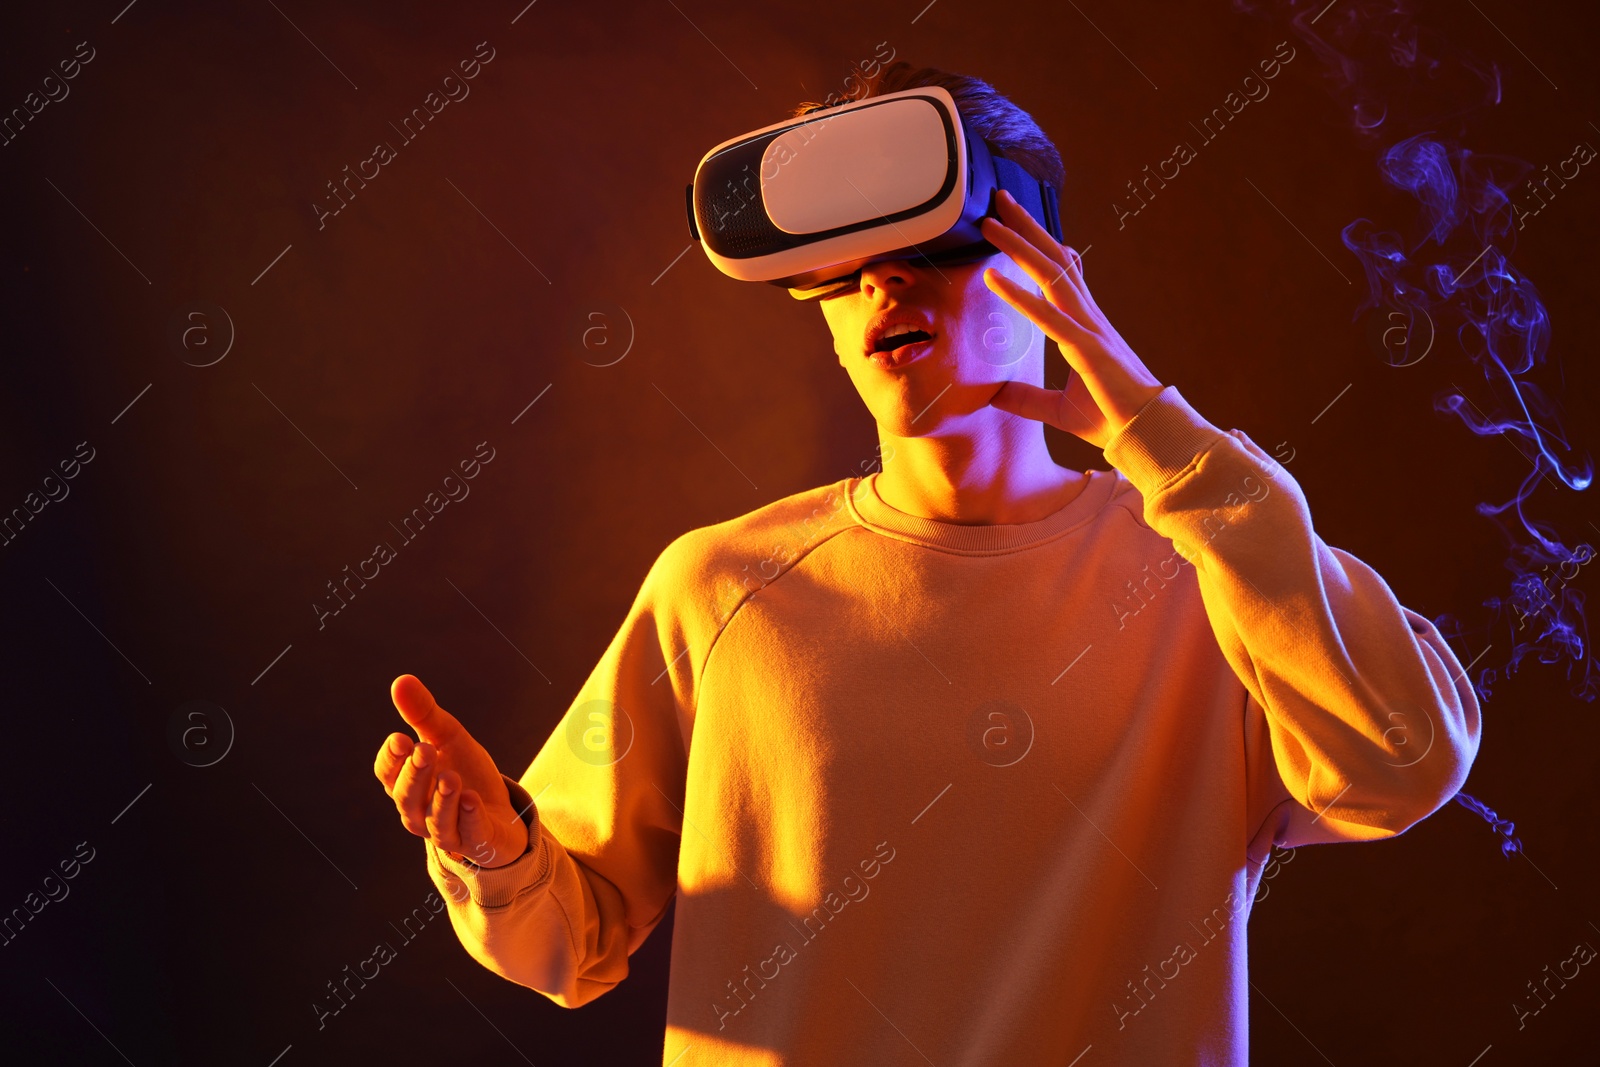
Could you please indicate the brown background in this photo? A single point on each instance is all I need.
(412, 327)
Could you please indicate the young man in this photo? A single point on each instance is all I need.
(974, 760)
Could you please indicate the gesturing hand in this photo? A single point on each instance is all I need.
(1110, 384)
(446, 786)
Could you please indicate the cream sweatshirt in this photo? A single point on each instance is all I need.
(931, 793)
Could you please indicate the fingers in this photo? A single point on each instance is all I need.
(443, 814)
(1064, 301)
(391, 757)
(1082, 348)
(420, 711)
(473, 830)
(413, 788)
(1056, 268)
(1062, 328)
(1016, 218)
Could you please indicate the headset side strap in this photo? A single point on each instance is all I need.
(1038, 198)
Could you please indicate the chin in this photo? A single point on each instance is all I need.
(897, 420)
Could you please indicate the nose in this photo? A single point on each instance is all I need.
(891, 274)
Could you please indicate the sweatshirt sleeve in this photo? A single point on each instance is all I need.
(1358, 720)
(603, 800)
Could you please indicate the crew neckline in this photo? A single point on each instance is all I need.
(987, 539)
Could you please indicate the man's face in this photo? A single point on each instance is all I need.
(979, 342)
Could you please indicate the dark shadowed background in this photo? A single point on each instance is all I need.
(518, 275)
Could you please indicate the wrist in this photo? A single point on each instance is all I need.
(514, 847)
(1140, 400)
(518, 837)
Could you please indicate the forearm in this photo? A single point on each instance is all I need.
(1371, 719)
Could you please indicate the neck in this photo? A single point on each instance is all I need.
(996, 473)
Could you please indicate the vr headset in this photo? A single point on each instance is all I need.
(807, 202)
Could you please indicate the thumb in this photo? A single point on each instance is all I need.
(1054, 407)
(421, 712)
(1029, 401)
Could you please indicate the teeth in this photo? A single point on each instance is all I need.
(896, 330)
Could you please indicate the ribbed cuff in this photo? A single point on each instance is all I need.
(492, 887)
(1160, 442)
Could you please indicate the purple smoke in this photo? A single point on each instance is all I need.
(1398, 81)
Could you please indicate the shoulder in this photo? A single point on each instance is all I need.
(798, 515)
(721, 563)
(1125, 499)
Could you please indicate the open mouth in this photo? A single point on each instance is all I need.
(899, 348)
